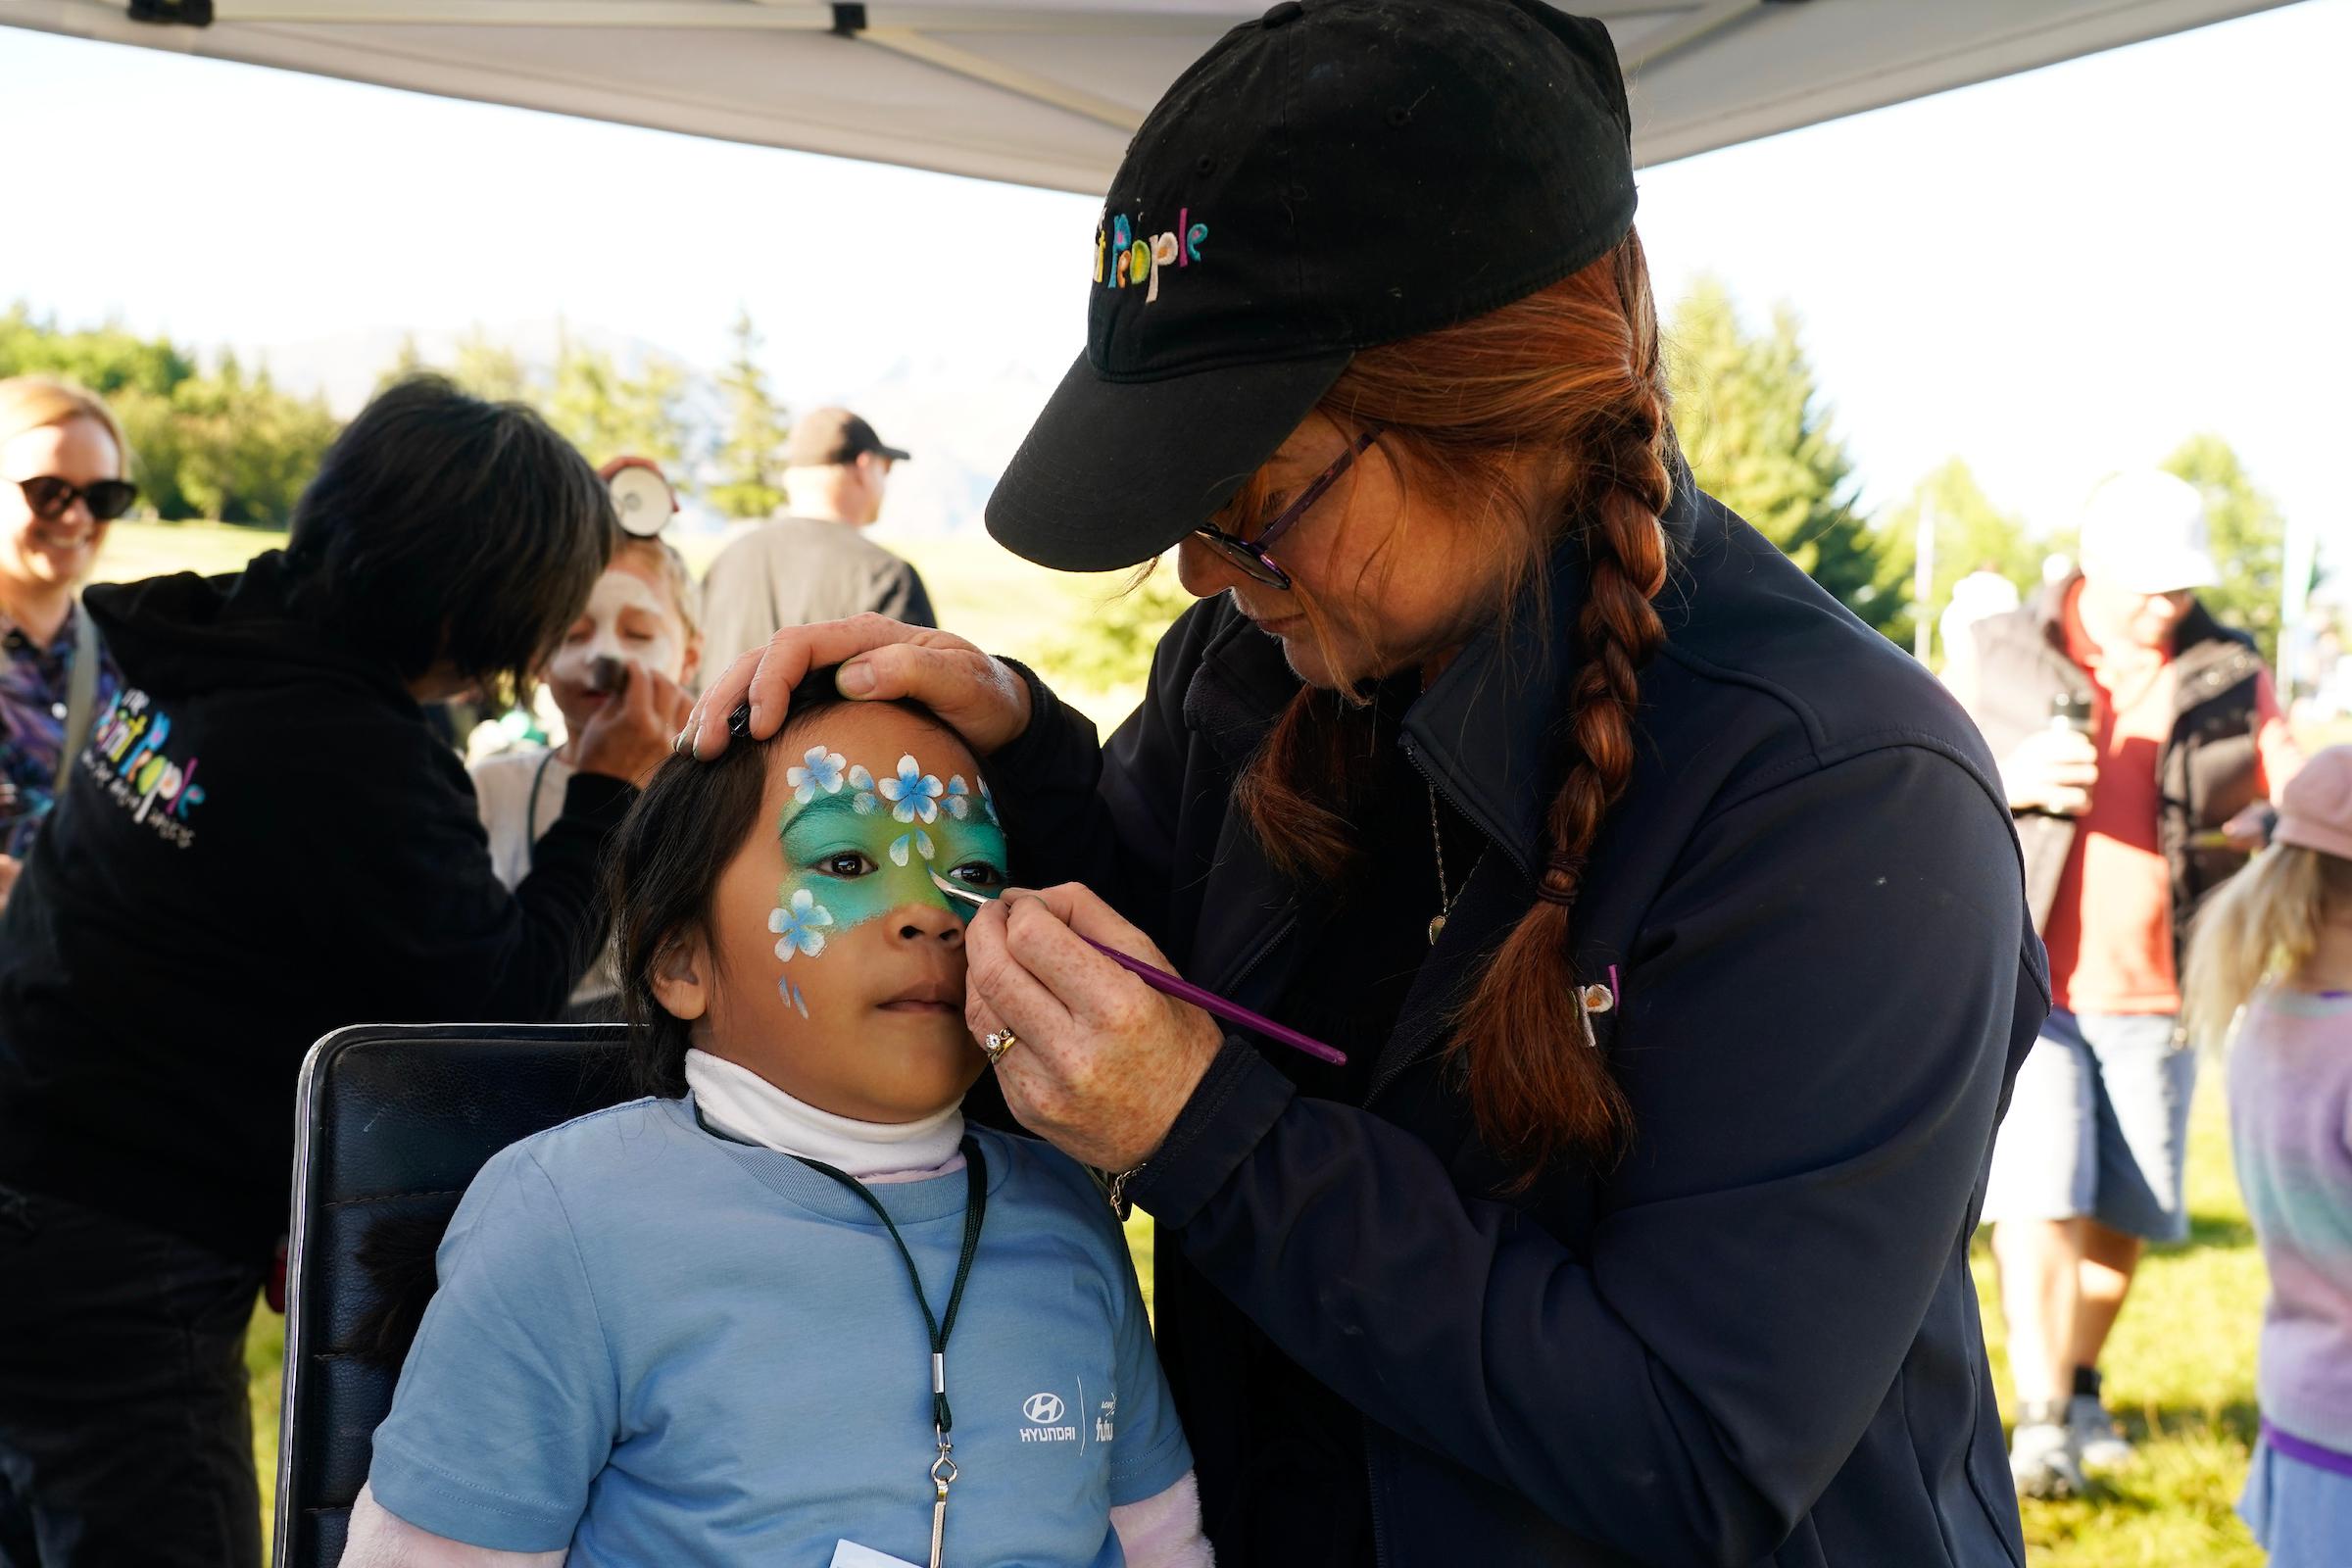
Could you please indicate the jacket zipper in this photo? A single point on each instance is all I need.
(1260, 953)
(1405, 1058)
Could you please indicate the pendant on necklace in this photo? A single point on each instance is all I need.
(1437, 927)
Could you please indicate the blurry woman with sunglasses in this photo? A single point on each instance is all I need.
(61, 457)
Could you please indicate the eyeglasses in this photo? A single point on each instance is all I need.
(1249, 556)
(50, 497)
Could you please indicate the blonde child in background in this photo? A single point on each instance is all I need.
(642, 609)
(2276, 943)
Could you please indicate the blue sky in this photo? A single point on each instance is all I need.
(2052, 275)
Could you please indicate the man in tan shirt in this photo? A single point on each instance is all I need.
(813, 563)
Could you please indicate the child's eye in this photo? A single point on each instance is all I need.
(846, 865)
(979, 874)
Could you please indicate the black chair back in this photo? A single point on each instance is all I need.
(392, 1123)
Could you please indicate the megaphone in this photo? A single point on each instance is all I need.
(641, 495)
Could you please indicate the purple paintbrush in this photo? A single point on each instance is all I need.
(1183, 990)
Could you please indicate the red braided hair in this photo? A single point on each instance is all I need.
(1573, 370)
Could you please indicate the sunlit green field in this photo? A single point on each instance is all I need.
(2180, 1382)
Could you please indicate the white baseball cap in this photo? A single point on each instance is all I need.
(2144, 532)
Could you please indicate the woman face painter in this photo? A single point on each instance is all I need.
(789, 1307)
(1669, 919)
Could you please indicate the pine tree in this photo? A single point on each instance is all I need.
(245, 448)
(1971, 533)
(607, 414)
(2249, 538)
(748, 463)
(408, 361)
(1760, 441)
(489, 370)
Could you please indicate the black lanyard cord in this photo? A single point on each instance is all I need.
(975, 1206)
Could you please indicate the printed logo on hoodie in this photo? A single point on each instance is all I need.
(126, 756)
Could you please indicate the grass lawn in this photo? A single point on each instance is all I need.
(135, 550)
(2181, 1381)
(2180, 1377)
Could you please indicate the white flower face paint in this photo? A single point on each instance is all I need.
(858, 845)
(626, 619)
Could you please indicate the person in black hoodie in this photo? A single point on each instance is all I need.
(1670, 918)
(262, 842)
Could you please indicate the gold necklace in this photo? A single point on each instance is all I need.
(1437, 840)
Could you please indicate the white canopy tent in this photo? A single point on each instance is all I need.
(1046, 95)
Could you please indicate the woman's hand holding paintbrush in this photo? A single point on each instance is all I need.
(1168, 983)
(1106, 1058)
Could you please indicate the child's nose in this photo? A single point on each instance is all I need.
(930, 922)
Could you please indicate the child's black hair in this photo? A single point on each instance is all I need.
(667, 860)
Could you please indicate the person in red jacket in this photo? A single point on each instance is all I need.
(2137, 738)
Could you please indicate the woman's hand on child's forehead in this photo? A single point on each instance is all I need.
(980, 697)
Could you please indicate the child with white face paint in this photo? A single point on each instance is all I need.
(729, 1322)
(642, 612)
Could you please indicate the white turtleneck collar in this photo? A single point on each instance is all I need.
(744, 1106)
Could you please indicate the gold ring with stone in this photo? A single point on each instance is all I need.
(997, 1042)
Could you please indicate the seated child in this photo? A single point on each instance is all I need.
(789, 1309)
(642, 609)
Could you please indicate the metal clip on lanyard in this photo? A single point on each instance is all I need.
(942, 1420)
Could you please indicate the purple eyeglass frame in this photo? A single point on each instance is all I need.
(1250, 554)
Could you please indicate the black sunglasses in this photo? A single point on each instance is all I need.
(1249, 556)
(50, 497)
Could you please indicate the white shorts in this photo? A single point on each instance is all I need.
(2098, 1126)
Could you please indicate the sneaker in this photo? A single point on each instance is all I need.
(2045, 1461)
(2096, 1440)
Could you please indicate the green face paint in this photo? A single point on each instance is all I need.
(857, 847)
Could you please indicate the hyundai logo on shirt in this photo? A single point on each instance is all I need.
(1043, 1412)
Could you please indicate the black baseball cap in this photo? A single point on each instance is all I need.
(1337, 175)
(823, 437)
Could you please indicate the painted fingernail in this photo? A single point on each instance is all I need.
(857, 679)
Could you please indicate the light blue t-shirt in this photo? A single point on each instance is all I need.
(653, 1345)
